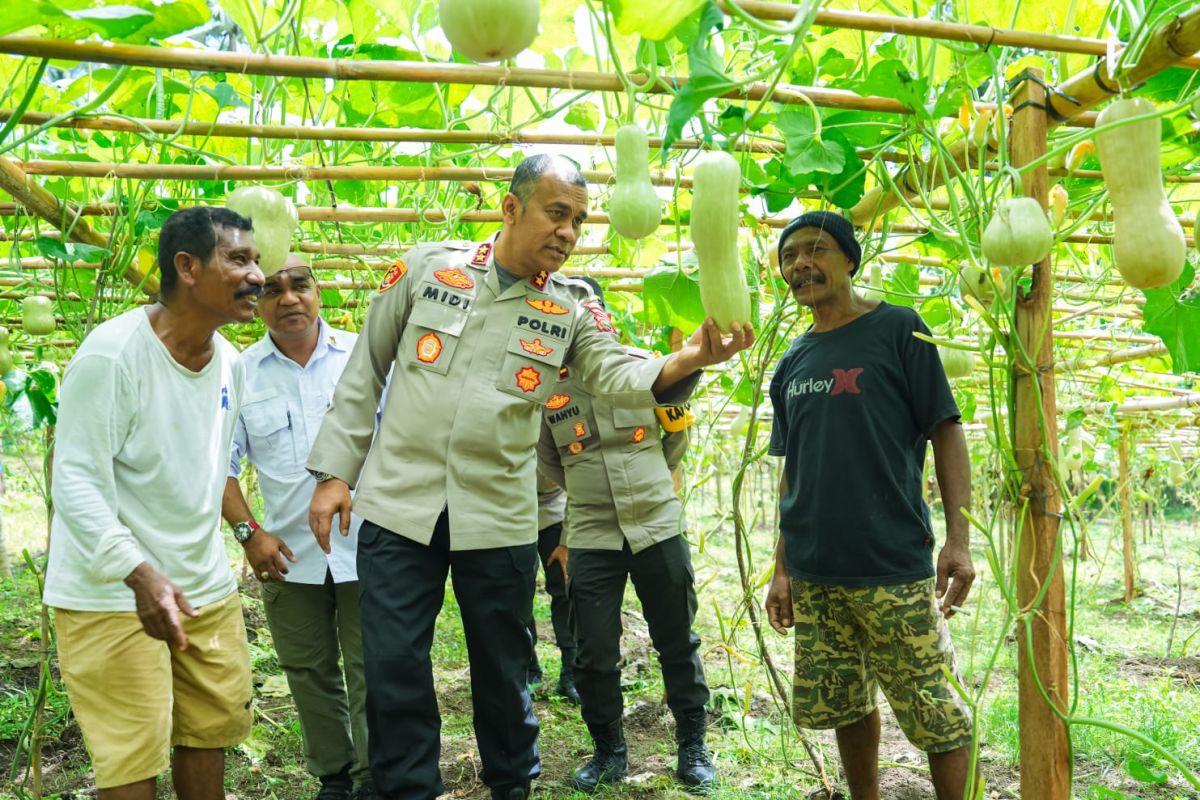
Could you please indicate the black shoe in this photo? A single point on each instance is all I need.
(511, 793)
(336, 786)
(365, 791)
(566, 685)
(609, 762)
(695, 767)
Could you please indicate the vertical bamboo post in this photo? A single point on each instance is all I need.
(1126, 479)
(1045, 761)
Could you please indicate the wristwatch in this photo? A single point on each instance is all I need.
(242, 531)
(320, 476)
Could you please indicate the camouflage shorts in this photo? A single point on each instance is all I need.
(850, 640)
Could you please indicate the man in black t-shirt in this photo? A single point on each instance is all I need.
(856, 398)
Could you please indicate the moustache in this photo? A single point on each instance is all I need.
(255, 291)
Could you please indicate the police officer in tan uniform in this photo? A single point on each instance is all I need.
(477, 334)
(625, 522)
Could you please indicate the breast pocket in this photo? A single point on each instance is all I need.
(432, 336)
(530, 366)
(635, 428)
(574, 431)
(270, 432)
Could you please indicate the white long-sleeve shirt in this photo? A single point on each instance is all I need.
(140, 463)
(276, 428)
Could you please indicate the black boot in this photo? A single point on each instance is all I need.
(336, 786)
(695, 767)
(534, 676)
(609, 763)
(511, 792)
(566, 683)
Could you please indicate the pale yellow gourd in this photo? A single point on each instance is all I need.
(874, 289)
(634, 209)
(957, 363)
(489, 30)
(714, 230)
(1018, 234)
(1148, 243)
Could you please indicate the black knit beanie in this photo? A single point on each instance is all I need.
(835, 225)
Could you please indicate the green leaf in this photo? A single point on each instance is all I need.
(847, 186)
(891, 78)
(967, 405)
(706, 80)
(1142, 773)
(651, 20)
(88, 252)
(19, 16)
(834, 64)
(113, 22)
(936, 312)
(1174, 317)
(331, 298)
(52, 248)
(806, 151)
(226, 96)
(903, 285)
(585, 116)
(672, 297)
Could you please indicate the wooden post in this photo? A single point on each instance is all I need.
(1045, 760)
(1125, 478)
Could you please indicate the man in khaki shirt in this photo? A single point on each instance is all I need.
(616, 465)
(477, 334)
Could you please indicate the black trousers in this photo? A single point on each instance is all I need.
(549, 538)
(403, 584)
(663, 579)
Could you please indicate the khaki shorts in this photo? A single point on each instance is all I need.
(135, 697)
(849, 641)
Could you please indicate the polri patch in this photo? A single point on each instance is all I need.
(535, 347)
(399, 270)
(528, 379)
(429, 348)
(455, 278)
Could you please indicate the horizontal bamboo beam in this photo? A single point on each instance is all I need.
(1143, 405)
(983, 35)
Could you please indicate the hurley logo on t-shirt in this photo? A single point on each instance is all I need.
(844, 381)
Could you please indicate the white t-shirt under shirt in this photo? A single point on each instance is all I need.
(140, 462)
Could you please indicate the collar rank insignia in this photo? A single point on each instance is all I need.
(455, 278)
(480, 259)
(528, 379)
(545, 306)
(398, 271)
(539, 281)
(535, 347)
(429, 347)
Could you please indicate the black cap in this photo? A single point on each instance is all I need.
(835, 225)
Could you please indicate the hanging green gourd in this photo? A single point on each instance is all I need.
(874, 290)
(1148, 243)
(6, 359)
(274, 219)
(634, 210)
(489, 30)
(975, 282)
(1018, 234)
(1074, 458)
(957, 363)
(37, 316)
(714, 231)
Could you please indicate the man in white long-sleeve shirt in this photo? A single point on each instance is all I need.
(150, 636)
(310, 598)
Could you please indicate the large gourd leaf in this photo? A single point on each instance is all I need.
(651, 20)
(1173, 314)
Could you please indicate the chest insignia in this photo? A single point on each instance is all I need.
(455, 278)
(528, 379)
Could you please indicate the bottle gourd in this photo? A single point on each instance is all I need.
(489, 30)
(634, 209)
(715, 215)
(1148, 244)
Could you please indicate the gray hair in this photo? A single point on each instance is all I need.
(527, 174)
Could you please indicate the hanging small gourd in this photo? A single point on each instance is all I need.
(274, 219)
(37, 316)
(489, 30)
(6, 359)
(714, 230)
(1148, 243)
(1018, 234)
(957, 363)
(874, 289)
(975, 282)
(634, 209)
(1074, 458)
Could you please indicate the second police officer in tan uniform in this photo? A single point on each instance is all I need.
(477, 334)
(552, 555)
(624, 522)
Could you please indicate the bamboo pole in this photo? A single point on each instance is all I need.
(1045, 755)
(984, 35)
(418, 72)
(35, 198)
(1125, 356)
(1126, 512)
(1146, 405)
(1171, 43)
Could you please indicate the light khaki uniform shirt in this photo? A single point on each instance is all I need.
(551, 501)
(616, 464)
(473, 368)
